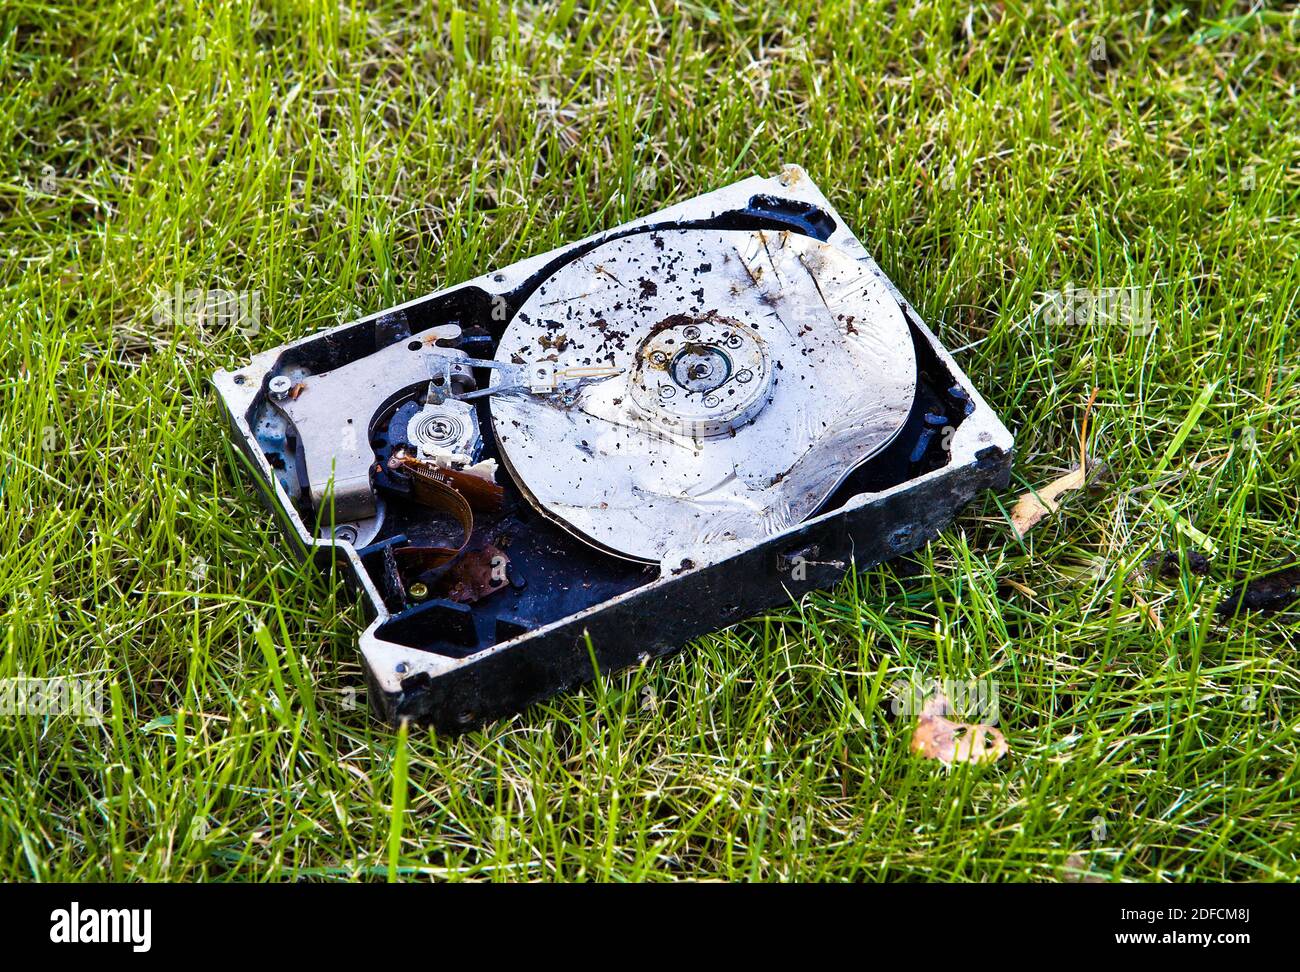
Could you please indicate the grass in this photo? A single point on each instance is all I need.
(339, 158)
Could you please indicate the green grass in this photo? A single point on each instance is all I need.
(340, 159)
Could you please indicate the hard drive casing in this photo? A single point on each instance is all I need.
(457, 668)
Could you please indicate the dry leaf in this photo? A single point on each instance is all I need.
(1024, 589)
(1149, 611)
(1033, 506)
(1076, 871)
(937, 737)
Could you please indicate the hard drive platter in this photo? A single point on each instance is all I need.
(747, 373)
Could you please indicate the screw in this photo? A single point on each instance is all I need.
(659, 358)
(691, 333)
(744, 376)
(667, 391)
(417, 591)
(711, 401)
(280, 386)
(735, 341)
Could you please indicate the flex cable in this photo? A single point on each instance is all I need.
(430, 482)
(430, 489)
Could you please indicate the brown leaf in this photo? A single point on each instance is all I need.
(1076, 871)
(937, 737)
(1032, 506)
(1036, 504)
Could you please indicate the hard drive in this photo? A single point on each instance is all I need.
(581, 461)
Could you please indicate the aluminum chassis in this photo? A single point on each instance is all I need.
(457, 694)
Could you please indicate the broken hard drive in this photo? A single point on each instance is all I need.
(609, 449)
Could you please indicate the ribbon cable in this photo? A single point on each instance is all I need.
(451, 492)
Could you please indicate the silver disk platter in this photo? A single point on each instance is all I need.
(585, 459)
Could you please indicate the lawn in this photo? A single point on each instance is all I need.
(336, 159)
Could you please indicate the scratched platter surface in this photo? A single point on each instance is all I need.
(599, 459)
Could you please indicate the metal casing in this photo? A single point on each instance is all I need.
(867, 522)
